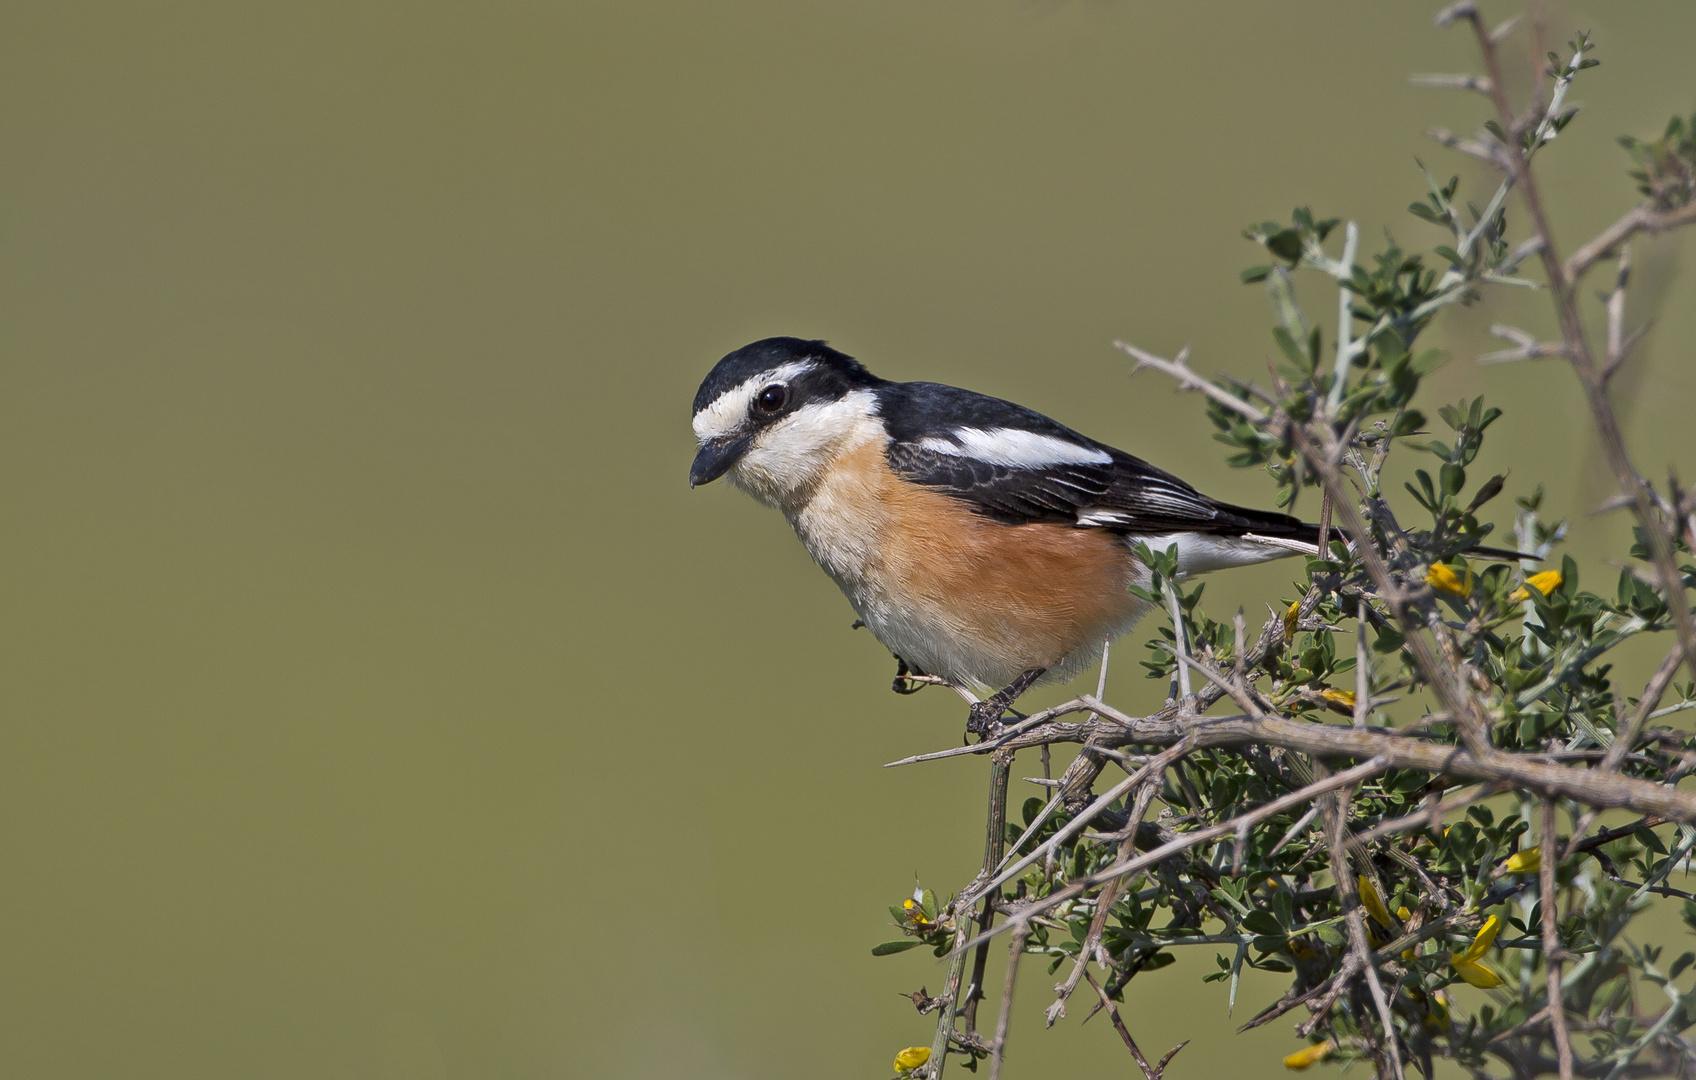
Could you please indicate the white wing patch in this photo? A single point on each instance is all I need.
(728, 413)
(1015, 448)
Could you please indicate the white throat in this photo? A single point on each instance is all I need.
(789, 458)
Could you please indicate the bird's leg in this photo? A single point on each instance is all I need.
(904, 683)
(987, 713)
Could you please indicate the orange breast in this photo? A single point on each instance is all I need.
(997, 599)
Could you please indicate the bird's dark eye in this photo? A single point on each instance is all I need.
(772, 398)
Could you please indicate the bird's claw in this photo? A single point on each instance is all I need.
(903, 684)
(985, 717)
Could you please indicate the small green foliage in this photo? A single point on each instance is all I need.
(918, 918)
(1665, 168)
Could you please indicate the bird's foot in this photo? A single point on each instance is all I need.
(985, 717)
(908, 681)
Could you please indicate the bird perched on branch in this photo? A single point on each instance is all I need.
(980, 541)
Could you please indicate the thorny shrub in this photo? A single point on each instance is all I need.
(1376, 897)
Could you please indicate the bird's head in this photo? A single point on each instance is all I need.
(773, 416)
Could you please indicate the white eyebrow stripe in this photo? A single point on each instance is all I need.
(1015, 448)
(727, 413)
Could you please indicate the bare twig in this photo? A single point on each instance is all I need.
(1150, 1073)
(1182, 653)
(1588, 786)
(1616, 314)
(1362, 673)
(1476, 83)
(1652, 694)
(994, 843)
(998, 1048)
(1552, 941)
(1295, 830)
(1485, 152)
(1008, 734)
(1180, 370)
(1642, 219)
(1526, 347)
(1347, 349)
(1001, 767)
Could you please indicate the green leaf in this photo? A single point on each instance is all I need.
(889, 948)
(1408, 423)
(1290, 349)
(1261, 921)
(1492, 487)
(1286, 244)
(1428, 361)
(1681, 963)
(1453, 479)
(1254, 274)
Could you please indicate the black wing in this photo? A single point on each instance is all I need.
(990, 454)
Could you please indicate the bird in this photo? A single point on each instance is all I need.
(984, 544)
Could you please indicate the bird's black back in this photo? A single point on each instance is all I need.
(1087, 482)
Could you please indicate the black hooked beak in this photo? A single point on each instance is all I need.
(716, 457)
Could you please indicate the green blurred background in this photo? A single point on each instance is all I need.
(379, 701)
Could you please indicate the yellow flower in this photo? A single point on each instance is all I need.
(1404, 915)
(1314, 1054)
(1340, 699)
(911, 1058)
(1528, 861)
(1485, 938)
(1444, 579)
(1546, 582)
(1374, 903)
(1477, 974)
(1467, 963)
(1290, 622)
(1439, 1009)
